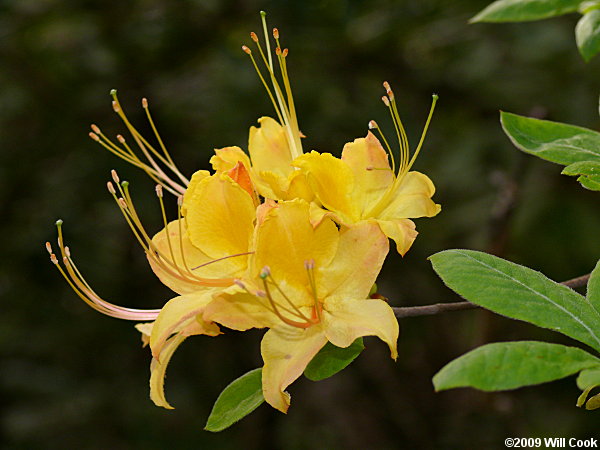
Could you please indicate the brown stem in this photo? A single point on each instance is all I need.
(437, 308)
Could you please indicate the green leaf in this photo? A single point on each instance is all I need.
(552, 141)
(589, 171)
(525, 10)
(518, 292)
(590, 182)
(593, 287)
(331, 359)
(587, 34)
(509, 365)
(238, 399)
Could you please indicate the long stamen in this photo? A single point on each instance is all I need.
(264, 275)
(310, 268)
(434, 99)
(373, 126)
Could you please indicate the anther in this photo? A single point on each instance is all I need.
(385, 100)
(110, 188)
(253, 36)
(265, 272)
(54, 259)
(370, 168)
(278, 51)
(49, 247)
(239, 283)
(94, 136)
(159, 190)
(144, 103)
(390, 94)
(122, 203)
(67, 252)
(261, 294)
(373, 125)
(309, 264)
(275, 33)
(115, 106)
(180, 200)
(387, 86)
(120, 138)
(114, 175)
(285, 52)
(246, 49)
(95, 129)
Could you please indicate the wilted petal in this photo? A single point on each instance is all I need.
(345, 320)
(402, 231)
(286, 352)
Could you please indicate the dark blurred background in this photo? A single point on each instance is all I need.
(72, 378)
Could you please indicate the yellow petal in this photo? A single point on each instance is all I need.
(158, 368)
(286, 240)
(177, 315)
(220, 218)
(197, 177)
(332, 182)
(180, 261)
(286, 352)
(345, 320)
(411, 199)
(226, 158)
(361, 251)
(145, 329)
(269, 148)
(240, 311)
(372, 173)
(401, 231)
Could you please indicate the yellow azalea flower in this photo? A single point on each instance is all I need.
(362, 185)
(270, 162)
(309, 284)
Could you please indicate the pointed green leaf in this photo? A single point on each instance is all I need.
(238, 399)
(518, 292)
(593, 287)
(552, 141)
(587, 34)
(591, 182)
(582, 168)
(525, 10)
(331, 359)
(509, 365)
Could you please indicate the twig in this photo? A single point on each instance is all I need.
(437, 308)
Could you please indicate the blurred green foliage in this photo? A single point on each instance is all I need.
(71, 378)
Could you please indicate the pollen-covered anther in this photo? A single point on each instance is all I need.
(110, 187)
(49, 248)
(373, 125)
(94, 136)
(261, 294)
(285, 52)
(386, 86)
(390, 94)
(253, 36)
(370, 168)
(144, 103)
(239, 283)
(54, 259)
(159, 190)
(120, 138)
(309, 264)
(122, 203)
(67, 251)
(246, 49)
(95, 129)
(385, 100)
(278, 51)
(114, 176)
(275, 33)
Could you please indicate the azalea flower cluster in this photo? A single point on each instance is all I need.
(273, 238)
